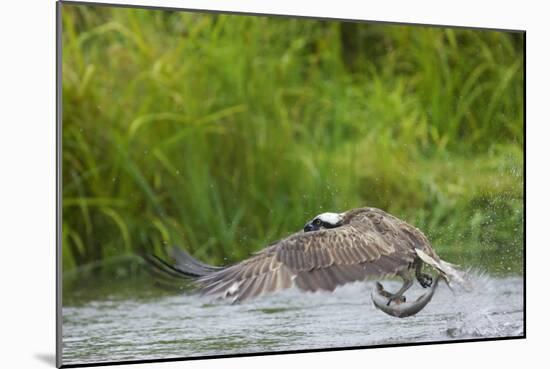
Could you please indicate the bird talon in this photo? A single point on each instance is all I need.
(425, 280)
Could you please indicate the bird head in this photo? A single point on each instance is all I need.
(324, 221)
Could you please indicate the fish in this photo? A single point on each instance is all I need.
(400, 308)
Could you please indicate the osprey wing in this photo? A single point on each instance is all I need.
(371, 244)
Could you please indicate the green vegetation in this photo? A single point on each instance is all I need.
(223, 133)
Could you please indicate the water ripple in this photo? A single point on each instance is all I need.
(179, 326)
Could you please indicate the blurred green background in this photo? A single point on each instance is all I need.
(223, 133)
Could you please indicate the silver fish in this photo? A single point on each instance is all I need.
(400, 308)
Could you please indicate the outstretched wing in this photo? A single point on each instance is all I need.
(372, 244)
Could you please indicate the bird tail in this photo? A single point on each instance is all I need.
(184, 267)
(451, 273)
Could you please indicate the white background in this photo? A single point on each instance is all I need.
(27, 181)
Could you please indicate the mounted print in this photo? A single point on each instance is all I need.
(241, 184)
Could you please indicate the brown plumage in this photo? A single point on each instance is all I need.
(359, 244)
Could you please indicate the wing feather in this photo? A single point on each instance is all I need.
(218, 287)
(252, 287)
(305, 282)
(350, 259)
(270, 282)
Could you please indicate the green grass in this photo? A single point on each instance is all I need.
(223, 133)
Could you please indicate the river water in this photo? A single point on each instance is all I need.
(170, 326)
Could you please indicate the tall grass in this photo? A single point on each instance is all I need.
(223, 133)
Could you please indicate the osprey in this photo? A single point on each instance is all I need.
(332, 249)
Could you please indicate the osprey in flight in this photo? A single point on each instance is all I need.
(333, 249)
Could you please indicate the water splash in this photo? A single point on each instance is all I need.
(479, 313)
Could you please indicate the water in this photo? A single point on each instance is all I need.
(117, 329)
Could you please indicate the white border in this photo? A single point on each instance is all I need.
(27, 202)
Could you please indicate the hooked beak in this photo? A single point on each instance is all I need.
(310, 227)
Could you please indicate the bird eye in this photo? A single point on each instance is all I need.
(317, 222)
